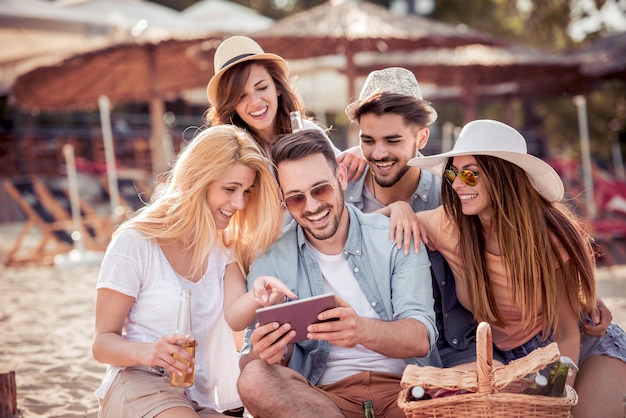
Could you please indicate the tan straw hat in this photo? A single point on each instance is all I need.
(489, 137)
(394, 80)
(233, 51)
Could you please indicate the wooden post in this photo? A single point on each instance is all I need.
(8, 395)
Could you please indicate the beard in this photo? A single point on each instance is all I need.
(392, 181)
(330, 230)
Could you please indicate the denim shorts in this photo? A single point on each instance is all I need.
(524, 349)
(450, 356)
(611, 344)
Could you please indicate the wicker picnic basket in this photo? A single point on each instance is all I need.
(494, 393)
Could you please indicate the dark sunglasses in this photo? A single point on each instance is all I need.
(467, 176)
(296, 201)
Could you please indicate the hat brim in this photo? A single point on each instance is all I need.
(214, 82)
(352, 108)
(542, 176)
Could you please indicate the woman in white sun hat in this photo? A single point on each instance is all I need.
(251, 89)
(522, 261)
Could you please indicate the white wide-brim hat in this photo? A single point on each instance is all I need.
(395, 80)
(233, 51)
(490, 137)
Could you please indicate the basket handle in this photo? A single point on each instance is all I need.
(484, 358)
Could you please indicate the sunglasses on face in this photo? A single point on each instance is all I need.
(466, 176)
(321, 192)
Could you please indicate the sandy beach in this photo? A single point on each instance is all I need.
(46, 328)
(46, 323)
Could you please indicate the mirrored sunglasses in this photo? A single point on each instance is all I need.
(322, 192)
(467, 176)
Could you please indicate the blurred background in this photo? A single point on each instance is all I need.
(554, 70)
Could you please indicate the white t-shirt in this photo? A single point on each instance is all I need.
(344, 362)
(136, 266)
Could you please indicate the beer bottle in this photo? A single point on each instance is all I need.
(559, 371)
(296, 121)
(184, 327)
(368, 409)
(418, 393)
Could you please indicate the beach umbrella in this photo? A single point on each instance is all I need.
(174, 53)
(468, 72)
(226, 16)
(583, 129)
(37, 32)
(346, 27)
(604, 57)
(79, 256)
(154, 20)
(140, 71)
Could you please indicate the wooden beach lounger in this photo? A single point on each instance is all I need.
(49, 211)
(134, 192)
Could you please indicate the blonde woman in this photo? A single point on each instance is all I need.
(218, 209)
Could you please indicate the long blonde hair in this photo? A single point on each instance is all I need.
(537, 238)
(179, 210)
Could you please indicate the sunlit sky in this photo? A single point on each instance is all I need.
(587, 18)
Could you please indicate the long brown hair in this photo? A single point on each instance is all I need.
(537, 239)
(231, 86)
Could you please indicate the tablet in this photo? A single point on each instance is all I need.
(299, 313)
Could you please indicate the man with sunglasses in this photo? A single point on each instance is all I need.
(384, 317)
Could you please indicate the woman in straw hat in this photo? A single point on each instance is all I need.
(201, 232)
(250, 89)
(522, 261)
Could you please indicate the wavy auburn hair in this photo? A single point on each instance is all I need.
(179, 209)
(231, 87)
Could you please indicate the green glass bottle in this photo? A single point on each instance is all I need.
(368, 409)
(559, 372)
(538, 384)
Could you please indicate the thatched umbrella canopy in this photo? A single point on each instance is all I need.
(484, 70)
(348, 27)
(605, 57)
(128, 72)
(174, 54)
(131, 72)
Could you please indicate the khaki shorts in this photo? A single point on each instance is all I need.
(381, 388)
(139, 393)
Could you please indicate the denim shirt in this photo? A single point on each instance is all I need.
(397, 286)
(456, 325)
(427, 195)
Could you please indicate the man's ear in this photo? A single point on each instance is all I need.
(422, 138)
